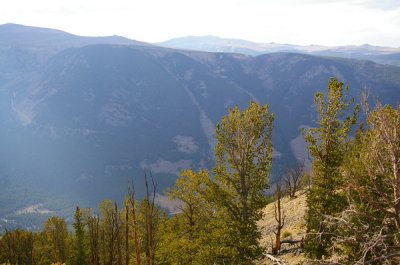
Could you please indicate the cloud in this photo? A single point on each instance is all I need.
(382, 4)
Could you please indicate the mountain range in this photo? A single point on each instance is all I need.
(82, 117)
(384, 55)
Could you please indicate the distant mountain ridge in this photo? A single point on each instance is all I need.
(14, 35)
(385, 55)
(79, 121)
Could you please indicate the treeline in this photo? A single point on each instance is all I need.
(353, 199)
(97, 239)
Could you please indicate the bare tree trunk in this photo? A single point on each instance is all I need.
(118, 234)
(93, 227)
(112, 238)
(292, 177)
(149, 219)
(103, 241)
(276, 261)
(280, 219)
(132, 202)
(126, 233)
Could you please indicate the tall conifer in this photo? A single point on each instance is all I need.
(326, 145)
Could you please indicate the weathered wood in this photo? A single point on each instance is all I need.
(275, 260)
(280, 219)
(132, 202)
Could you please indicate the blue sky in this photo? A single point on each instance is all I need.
(325, 22)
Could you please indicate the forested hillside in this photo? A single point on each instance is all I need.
(218, 216)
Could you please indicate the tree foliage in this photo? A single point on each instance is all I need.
(242, 163)
(16, 247)
(182, 238)
(79, 251)
(369, 230)
(56, 234)
(327, 146)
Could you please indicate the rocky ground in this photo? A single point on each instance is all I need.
(294, 229)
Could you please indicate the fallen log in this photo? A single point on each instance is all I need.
(275, 260)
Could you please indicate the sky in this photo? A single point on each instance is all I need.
(304, 22)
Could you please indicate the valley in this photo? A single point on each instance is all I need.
(80, 117)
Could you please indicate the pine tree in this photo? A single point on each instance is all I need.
(181, 240)
(107, 232)
(16, 247)
(243, 160)
(369, 228)
(80, 247)
(326, 145)
(56, 233)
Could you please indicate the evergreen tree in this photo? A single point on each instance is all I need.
(243, 160)
(16, 247)
(93, 231)
(80, 256)
(107, 233)
(369, 228)
(180, 243)
(326, 145)
(55, 230)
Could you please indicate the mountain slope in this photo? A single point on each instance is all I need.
(13, 35)
(78, 124)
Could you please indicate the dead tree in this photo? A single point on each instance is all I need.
(292, 178)
(132, 208)
(151, 211)
(280, 219)
(93, 229)
(111, 227)
(126, 233)
(118, 233)
(275, 260)
(112, 237)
